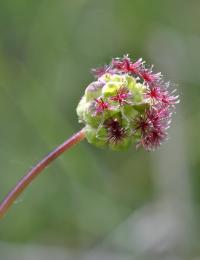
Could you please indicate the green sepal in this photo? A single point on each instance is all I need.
(93, 90)
(96, 136)
(122, 145)
(142, 107)
(80, 110)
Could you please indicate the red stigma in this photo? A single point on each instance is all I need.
(101, 105)
(153, 140)
(125, 65)
(116, 133)
(98, 72)
(154, 93)
(161, 95)
(121, 96)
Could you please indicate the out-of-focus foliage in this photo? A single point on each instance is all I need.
(47, 49)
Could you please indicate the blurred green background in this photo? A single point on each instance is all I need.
(92, 203)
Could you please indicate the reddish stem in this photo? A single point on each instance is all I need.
(39, 167)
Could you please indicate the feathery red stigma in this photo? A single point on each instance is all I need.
(122, 96)
(101, 105)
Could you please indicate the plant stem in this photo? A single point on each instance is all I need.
(38, 168)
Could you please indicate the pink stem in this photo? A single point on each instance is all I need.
(39, 167)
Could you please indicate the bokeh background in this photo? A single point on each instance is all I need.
(92, 203)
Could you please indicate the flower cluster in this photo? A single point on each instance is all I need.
(128, 103)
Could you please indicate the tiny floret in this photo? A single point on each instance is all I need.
(127, 104)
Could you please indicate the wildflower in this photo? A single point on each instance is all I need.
(132, 104)
(142, 117)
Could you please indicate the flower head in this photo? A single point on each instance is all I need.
(128, 103)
